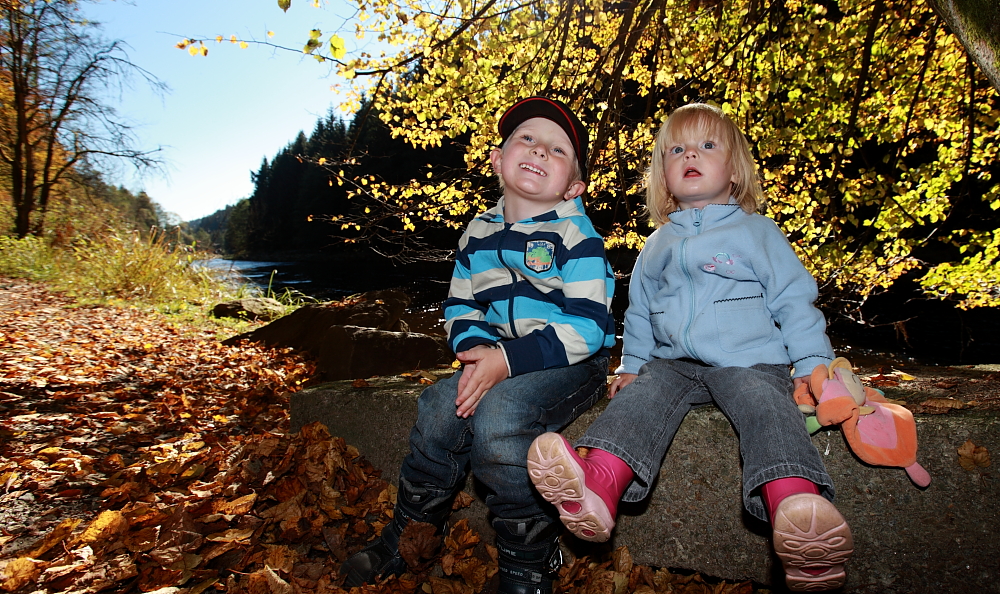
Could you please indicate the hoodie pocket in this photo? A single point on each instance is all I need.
(743, 323)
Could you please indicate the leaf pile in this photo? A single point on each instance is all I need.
(140, 456)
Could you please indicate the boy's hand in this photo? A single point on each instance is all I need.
(484, 368)
(620, 382)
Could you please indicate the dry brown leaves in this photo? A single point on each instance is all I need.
(138, 456)
(971, 456)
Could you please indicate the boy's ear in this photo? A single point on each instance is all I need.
(575, 189)
(496, 157)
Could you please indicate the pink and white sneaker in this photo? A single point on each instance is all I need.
(813, 542)
(584, 490)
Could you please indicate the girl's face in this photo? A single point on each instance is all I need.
(697, 168)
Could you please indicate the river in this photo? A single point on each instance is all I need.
(935, 332)
(425, 283)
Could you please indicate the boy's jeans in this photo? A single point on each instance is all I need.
(494, 441)
(641, 420)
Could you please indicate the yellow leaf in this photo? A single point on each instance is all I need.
(63, 530)
(270, 33)
(243, 45)
(284, 4)
(18, 573)
(337, 47)
(106, 528)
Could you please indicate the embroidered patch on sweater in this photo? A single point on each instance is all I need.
(538, 255)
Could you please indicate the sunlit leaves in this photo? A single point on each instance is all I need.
(863, 118)
(313, 41)
(193, 47)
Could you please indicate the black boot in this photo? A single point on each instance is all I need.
(381, 558)
(529, 554)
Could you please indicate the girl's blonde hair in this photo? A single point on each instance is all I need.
(701, 118)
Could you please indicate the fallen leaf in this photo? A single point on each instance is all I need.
(946, 385)
(19, 573)
(360, 383)
(105, 528)
(883, 381)
(418, 544)
(622, 560)
(265, 581)
(944, 403)
(462, 500)
(56, 536)
(231, 535)
(971, 456)
(238, 506)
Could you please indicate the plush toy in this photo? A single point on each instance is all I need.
(877, 431)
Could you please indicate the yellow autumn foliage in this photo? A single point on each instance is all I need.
(876, 135)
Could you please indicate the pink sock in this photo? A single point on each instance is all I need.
(776, 491)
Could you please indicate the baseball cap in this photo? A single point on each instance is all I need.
(550, 109)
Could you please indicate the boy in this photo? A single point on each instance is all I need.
(528, 314)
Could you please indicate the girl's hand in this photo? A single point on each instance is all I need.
(484, 368)
(620, 382)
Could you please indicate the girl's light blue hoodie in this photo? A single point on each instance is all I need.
(724, 287)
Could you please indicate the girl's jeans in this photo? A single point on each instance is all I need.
(641, 420)
(494, 441)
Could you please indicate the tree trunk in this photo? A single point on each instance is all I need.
(976, 23)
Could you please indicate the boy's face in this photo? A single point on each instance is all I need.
(538, 165)
(697, 168)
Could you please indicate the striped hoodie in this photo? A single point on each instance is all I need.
(540, 289)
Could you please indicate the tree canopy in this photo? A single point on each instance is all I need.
(875, 132)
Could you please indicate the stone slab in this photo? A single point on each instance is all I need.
(940, 539)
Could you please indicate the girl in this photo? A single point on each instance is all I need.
(719, 308)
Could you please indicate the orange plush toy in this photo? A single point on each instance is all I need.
(877, 431)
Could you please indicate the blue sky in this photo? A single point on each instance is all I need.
(225, 112)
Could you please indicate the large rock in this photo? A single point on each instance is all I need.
(352, 339)
(941, 539)
(250, 308)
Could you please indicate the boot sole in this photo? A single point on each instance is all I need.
(813, 542)
(561, 480)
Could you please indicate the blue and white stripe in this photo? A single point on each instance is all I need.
(553, 318)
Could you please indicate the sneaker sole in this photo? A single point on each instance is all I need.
(813, 542)
(561, 480)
